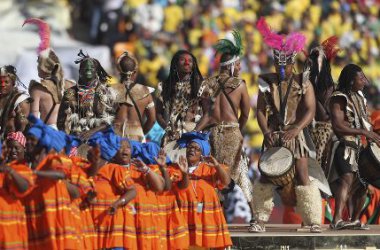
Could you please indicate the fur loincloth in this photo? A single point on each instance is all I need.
(226, 146)
(301, 146)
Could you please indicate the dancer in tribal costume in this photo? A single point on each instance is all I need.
(350, 121)
(14, 104)
(136, 113)
(318, 65)
(46, 94)
(286, 106)
(224, 97)
(87, 107)
(178, 106)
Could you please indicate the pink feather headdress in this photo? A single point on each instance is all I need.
(43, 32)
(292, 43)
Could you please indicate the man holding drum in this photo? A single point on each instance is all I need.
(350, 121)
(286, 106)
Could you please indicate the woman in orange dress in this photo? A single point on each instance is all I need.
(16, 181)
(147, 181)
(81, 205)
(199, 202)
(51, 222)
(173, 228)
(114, 189)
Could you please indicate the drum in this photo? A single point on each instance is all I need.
(369, 164)
(173, 151)
(277, 165)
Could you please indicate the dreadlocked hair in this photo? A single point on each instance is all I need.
(321, 80)
(100, 71)
(168, 86)
(347, 76)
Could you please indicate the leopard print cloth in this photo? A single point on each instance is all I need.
(226, 146)
(321, 133)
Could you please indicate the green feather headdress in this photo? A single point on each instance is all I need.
(232, 45)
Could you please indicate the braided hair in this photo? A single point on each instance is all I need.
(168, 86)
(347, 76)
(100, 71)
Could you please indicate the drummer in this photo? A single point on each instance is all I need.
(286, 106)
(350, 121)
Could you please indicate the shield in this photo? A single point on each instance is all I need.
(316, 173)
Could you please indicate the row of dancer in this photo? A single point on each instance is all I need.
(287, 105)
(125, 195)
(183, 103)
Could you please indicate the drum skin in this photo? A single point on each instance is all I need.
(277, 165)
(369, 164)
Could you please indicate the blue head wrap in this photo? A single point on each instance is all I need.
(146, 151)
(108, 142)
(200, 138)
(39, 130)
(57, 138)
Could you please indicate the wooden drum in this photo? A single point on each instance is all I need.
(369, 164)
(277, 165)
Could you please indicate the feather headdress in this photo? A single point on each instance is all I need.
(330, 47)
(232, 44)
(292, 43)
(43, 32)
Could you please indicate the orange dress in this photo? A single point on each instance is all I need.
(201, 208)
(79, 178)
(13, 230)
(145, 207)
(173, 228)
(51, 220)
(111, 181)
